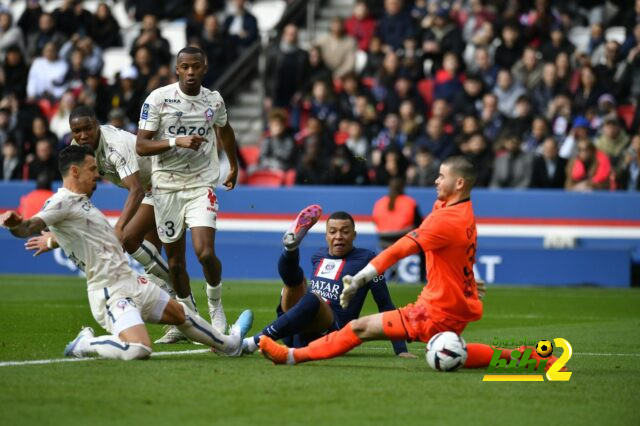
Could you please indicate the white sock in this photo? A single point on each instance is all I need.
(189, 301)
(214, 293)
(249, 344)
(199, 330)
(112, 347)
(148, 256)
(162, 284)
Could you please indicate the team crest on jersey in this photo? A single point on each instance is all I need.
(330, 268)
(208, 114)
(145, 111)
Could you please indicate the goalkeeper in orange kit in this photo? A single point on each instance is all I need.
(449, 301)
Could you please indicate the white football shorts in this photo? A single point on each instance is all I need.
(148, 198)
(175, 211)
(130, 302)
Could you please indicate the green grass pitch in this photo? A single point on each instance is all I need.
(39, 315)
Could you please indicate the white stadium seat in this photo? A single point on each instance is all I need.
(115, 60)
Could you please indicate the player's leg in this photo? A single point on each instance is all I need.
(309, 315)
(176, 255)
(204, 247)
(334, 344)
(199, 330)
(141, 240)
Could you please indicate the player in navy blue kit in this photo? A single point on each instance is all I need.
(310, 309)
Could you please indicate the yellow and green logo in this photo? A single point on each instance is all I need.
(524, 368)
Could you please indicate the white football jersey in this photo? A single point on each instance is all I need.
(117, 158)
(171, 113)
(86, 237)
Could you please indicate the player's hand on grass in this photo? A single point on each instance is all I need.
(39, 243)
(407, 355)
(232, 178)
(482, 288)
(192, 142)
(10, 219)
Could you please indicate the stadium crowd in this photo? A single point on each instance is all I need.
(390, 92)
(400, 86)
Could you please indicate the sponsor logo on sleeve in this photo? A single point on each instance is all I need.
(145, 111)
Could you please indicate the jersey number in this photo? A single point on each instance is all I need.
(170, 228)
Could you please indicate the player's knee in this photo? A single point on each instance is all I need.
(137, 351)
(177, 266)
(359, 326)
(206, 255)
(130, 242)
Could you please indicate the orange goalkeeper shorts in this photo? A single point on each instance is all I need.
(413, 323)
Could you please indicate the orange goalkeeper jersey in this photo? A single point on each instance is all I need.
(448, 238)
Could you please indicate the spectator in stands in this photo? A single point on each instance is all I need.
(390, 136)
(610, 71)
(357, 142)
(375, 57)
(151, 38)
(469, 100)
(441, 36)
(39, 130)
(15, 72)
(395, 25)
(316, 70)
(322, 106)
(546, 89)
(510, 50)
(476, 149)
(32, 202)
(411, 59)
(312, 167)
(104, 28)
(286, 69)
(535, 135)
(59, 123)
(595, 47)
(436, 140)
(403, 90)
(344, 169)
(76, 71)
(30, 18)
(361, 25)
(632, 39)
(127, 95)
(589, 169)
(313, 133)
(348, 95)
(549, 169)
(483, 38)
(484, 68)
(628, 169)
(45, 162)
(392, 164)
(7, 125)
(96, 95)
(278, 150)
(46, 73)
(425, 169)
(410, 121)
(71, 18)
(146, 67)
(528, 70)
(557, 43)
(338, 49)
(491, 118)
(118, 119)
(632, 70)
(10, 166)
(508, 92)
(196, 18)
(92, 54)
(613, 139)
(520, 123)
(588, 91)
(513, 168)
(46, 33)
(366, 113)
(9, 35)
(241, 26)
(447, 79)
(220, 52)
(564, 72)
(386, 77)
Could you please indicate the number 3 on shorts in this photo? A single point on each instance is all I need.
(169, 229)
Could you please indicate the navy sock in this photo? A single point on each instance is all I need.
(289, 268)
(294, 320)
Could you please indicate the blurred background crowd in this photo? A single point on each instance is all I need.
(539, 94)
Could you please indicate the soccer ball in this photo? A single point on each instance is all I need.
(446, 351)
(544, 348)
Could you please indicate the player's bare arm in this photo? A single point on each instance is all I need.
(145, 145)
(228, 138)
(131, 205)
(19, 227)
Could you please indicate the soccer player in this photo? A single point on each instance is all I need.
(179, 126)
(307, 311)
(118, 163)
(448, 302)
(120, 300)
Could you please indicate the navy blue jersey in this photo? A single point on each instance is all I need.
(326, 282)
